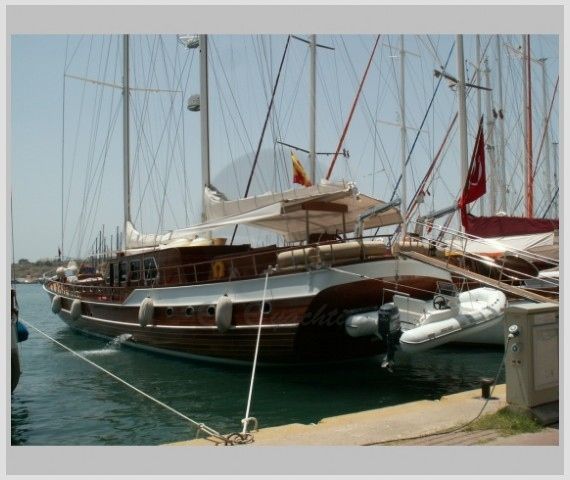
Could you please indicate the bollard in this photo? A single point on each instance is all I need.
(486, 387)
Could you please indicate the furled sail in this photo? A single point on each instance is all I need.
(330, 208)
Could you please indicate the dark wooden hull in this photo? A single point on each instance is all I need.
(296, 330)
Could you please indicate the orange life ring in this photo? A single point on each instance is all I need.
(218, 270)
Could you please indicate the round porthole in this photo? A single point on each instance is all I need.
(189, 311)
(169, 311)
(211, 310)
(267, 307)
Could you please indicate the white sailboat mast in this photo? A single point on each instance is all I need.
(528, 183)
(490, 140)
(313, 107)
(204, 119)
(126, 140)
(478, 82)
(462, 110)
(501, 157)
(403, 139)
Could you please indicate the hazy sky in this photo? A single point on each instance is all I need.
(165, 144)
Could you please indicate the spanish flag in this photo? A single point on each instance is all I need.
(299, 174)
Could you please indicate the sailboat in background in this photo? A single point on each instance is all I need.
(505, 247)
(535, 238)
(188, 294)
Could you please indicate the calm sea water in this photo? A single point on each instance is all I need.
(62, 400)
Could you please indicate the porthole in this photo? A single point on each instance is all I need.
(267, 307)
(189, 311)
(211, 310)
(169, 311)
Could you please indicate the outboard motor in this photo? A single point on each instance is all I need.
(389, 332)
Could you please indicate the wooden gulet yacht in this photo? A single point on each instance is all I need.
(186, 294)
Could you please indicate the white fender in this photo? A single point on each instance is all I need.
(56, 304)
(362, 324)
(224, 313)
(146, 312)
(75, 310)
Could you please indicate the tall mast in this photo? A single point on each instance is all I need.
(126, 140)
(501, 160)
(546, 161)
(478, 82)
(462, 110)
(204, 120)
(313, 107)
(490, 140)
(404, 201)
(528, 127)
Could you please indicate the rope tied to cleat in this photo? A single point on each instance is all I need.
(229, 439)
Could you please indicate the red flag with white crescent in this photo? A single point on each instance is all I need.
(476, 184)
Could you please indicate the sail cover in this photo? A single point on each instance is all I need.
(324, 208)
(511, 243)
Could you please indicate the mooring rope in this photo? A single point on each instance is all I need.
(247, 419)
(227, 439)
(455, 429)
(460, 427)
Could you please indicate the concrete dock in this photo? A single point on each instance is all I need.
(413, 423)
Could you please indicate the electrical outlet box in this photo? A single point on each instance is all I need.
(532, 356)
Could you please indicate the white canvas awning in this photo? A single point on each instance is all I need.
(514, 243)
(324, 208)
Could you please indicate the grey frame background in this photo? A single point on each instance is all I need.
(241, 19)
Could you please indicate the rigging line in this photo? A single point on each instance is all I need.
(291, 102)
(223, 102)
(91, 206)
(336, 77)
(546, 125)
(77, 130)
(171, 140)
(187, 198)
(62, 151)
(154, 154)
(163, 181)
(100, 165)
(214, 48)
(340, 143)
(423, 122)
(278, 152)
(460, 427)
(200, 426)
(386, 166)
(427, 112)
(269, 108)
(95, 131)
(413, 203)
(376, 137)
(247, 418)
(551, 203)
(145, 136)
(98, 191)
(68, 64)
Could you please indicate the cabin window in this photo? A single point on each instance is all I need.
(150, 270)
(135, 270)
(123, 269)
